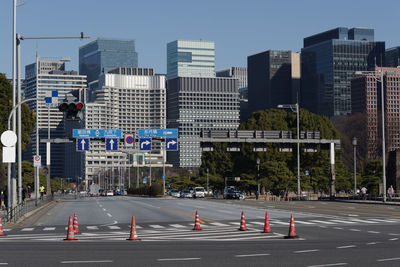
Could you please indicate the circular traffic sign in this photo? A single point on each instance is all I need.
(37, 158)
(129, 140)
(8, 138)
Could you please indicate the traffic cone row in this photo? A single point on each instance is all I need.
(197, 222)
(292, 229)
(70, 231)
(133, 236)
(76, 228)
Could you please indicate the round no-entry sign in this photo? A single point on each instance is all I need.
(129, 140)
(37, 161)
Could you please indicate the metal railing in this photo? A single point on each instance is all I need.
(14, 214)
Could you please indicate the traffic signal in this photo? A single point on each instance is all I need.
(73, 110)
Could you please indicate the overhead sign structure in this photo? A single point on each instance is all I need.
(112, 144)
(129, 140)
(171, 144)
(96, 133)
(82, 144)
(162, 133)
(145, 144)
(37, 161)
(51, 99)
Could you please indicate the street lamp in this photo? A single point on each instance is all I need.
(354, 142)
(258, 176)
(380, 72)
(207, 180)
(295, 108)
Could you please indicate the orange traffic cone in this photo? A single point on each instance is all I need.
(1, 229)
(76, 228)
(70, 231)
(292, 230)
(242, 223)
(133, 236)
(267, 227)
(197, 222)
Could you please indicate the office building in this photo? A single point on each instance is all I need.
(190, 59)
(273, 79)
(239, 73)
(366, 99)
(393, 167)
(392, 57)
(196, 103)
(103, 54)
(52, 76)
(328, 62)
(128, 99)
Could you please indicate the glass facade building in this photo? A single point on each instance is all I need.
(190, 59)
(103, 55)
(329, 61)
(392, 57)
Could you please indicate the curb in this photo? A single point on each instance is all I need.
(388, 203)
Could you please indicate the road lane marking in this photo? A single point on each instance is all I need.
(202, 220)
(279, 222)
(92, 227)
(178, 225)
(374, 232)
(303, 222)
(3, 263)
(259, 223)
(340, 221)
(394, 239)
(372, 243)
(355, 230)
(219, 224)
(179, 259)
(27, 229)
(329, 264)
(109, 215)
(338, 228)
(384, 220)
(350, 246)
(389, 259)
(49, 229)
(324, 222)
(251, 255)
(156, 226)
(394, 234)
(104, 209)
(114, 227)
(77, 262)
(363, 221)
(306, 251)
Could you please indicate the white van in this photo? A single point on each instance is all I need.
(199, 192)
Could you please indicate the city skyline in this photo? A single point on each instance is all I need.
(259, 27)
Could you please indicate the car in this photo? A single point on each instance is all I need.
(232, 192)
(110, 193)
(198, 192)
(186, 194)
(174, 193)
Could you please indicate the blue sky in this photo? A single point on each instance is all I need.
(238, 27)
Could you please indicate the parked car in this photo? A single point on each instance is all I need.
(198, 192)
(174, 193)
(186, 194)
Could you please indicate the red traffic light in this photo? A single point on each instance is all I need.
(79, 106)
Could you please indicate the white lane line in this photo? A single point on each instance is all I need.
(340, 221)
(92, 227)
(394, 234)
(279, 222)
(219, 224)
(179, 259)
(329, 264)
(178, 225)
(6, 230)
(76, 262)
(363, 221)
(49, 229)
(303, 222)
(353, 215)
(109, 215)
(114, 227)
(338, 228)
(322, 226)
(394, 239)
(324, 222)
(104, 209)
(372, 243)
(156, 226)
(259, 223)
(355, 230)
(374, 232)
(390, 259)
(3, 263)
(27, 229)
(251, 255)
(350, 246)
(384, 220)
(306, 251)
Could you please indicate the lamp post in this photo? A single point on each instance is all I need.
(258, 176)
(380, 79)
(354, 142)
(207, 180)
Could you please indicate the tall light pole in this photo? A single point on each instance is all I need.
(380, 72)
(354, 142)
(258, 175)
(207, 180)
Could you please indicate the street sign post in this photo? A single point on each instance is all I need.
(129, 140)
(37, 161)
(144, 180)
(157, 133)
(51, 99)
(112, 144)
(145, 144)
(171, 144)
(96, 133)
(82, 144)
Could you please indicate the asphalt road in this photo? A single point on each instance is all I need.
(331, 234)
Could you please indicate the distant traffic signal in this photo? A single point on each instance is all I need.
(73, 110)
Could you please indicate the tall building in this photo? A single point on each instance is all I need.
(102, 55)
(328, 62)
(392, 57)
(190, 59)
(196, 103)
(273, 79)
(366, 99)
(51, 76)
(239, 73)
(128, 99)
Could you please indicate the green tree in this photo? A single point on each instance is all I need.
(372, 176)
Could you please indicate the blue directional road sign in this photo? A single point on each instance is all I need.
(163, 177)
(112, 144)
(96, 133)
(82, 144)
(144, 180)
(171, 144)
(162, 133)
(145, 143)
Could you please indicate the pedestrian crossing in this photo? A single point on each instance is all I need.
(210, 224)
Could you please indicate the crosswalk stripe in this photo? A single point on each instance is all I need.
(234, 223)
(363, 221)
(324, 222)
(384, 220)
(279, 222)
(219, 224)
(49, 229)
(114, 227)
(92, 227)
(259, 223)
(340, 221)
(27, 229)
(156, 226)
(178, 225)
(303, 222)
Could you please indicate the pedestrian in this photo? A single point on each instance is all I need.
(257, 194)
(364, 193)
(390, 192)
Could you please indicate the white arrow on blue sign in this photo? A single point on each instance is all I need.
(171, 144)
(145, 144)
(112, 144)
(82, 144)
